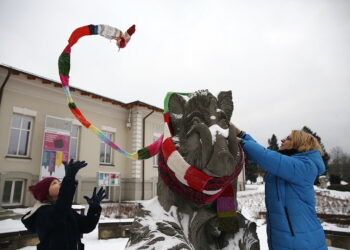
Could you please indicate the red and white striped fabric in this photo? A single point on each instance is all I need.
(184, 172)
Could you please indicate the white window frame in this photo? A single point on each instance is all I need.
(77, 137)
(20, 133)
(11, 203)
(106, 146)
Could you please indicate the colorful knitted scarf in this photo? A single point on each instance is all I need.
(64, 68)
(190, 182)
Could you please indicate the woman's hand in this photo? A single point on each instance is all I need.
(237, 130)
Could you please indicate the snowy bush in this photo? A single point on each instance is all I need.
(119, 211)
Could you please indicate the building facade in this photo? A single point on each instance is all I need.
(33, 111)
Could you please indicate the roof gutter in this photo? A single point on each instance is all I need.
(4, 84)
(143, 145)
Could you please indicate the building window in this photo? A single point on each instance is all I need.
(106, 150)
(20, 134)
(108, 193)
(155, 161)
(155, 158)
(13, 192)
(74, 142)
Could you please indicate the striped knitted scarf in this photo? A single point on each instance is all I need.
(122, 40)
(190, 182)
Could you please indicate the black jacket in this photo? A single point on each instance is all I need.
(58, 226)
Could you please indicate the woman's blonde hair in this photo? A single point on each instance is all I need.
(303, 141)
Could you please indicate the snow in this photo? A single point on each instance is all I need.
(234, 243)
(204, 92)
(185, 221)
(333, 193)
(20, 210)
(333, 227)
(78, 207)
(158, 214)
(175, 139)
(11, 225)
(108, 220)
(176, 116)
(251, 202)
(261, 231)
(216, 129)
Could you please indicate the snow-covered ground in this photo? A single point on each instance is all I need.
(250, 201)
(91, 242)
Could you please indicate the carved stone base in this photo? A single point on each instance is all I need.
(156, 228)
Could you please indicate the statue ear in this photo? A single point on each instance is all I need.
(225, 103)
(176, 104)
(177, 110)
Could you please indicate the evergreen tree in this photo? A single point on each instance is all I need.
(273, 143)
(339, 164)
(251, 170)
(325, 156)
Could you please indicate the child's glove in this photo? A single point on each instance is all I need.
(96, 198)
(73, 167)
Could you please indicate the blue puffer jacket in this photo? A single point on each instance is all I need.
(292, 221)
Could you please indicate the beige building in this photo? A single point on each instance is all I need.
(32, 107)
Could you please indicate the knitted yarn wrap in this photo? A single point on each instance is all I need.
(122, 40)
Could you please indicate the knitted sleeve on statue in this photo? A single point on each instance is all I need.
(122, 40)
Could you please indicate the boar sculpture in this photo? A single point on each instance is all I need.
(196, 209)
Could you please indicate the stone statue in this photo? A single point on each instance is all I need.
(190, 212)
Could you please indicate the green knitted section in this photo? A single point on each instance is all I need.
(167, 98)
(72, 105)
(143, 154)
(224, 214)
(229, 224)
(64, 64)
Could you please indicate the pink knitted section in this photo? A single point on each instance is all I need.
(67, 49)
(155, 146)
(64, 80)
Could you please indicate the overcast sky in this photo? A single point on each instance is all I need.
(286, 62)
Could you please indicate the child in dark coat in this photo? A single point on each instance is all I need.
(58, 226)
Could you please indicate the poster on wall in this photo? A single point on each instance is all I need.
(55, 151)
(108, 179)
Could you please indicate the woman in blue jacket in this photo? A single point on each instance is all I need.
(292, 221)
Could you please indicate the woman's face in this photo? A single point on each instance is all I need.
(286, 143)
(54, 189)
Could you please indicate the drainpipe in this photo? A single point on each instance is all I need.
(4, 84)
(143, 145)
